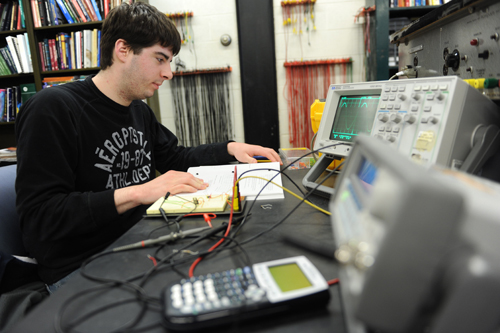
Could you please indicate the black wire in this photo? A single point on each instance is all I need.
(165, 262)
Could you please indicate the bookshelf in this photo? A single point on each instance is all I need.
(35, 35)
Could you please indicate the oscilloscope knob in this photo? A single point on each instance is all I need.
(415, 96)
(409, 119)
(433, 120)
(391, 139)
(395, 118)
(402, 97)
(383, 117)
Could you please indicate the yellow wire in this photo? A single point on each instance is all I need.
(292, 193)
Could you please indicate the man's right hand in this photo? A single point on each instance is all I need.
(145, 194)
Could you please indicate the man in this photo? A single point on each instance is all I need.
(88, 151)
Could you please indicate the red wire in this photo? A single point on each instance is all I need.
(332, 282)
(193, 265)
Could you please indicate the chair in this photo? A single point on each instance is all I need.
(20, 287)
(14, 269)
(10, 232)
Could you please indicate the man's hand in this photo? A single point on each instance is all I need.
(245, 153)
(172, 181)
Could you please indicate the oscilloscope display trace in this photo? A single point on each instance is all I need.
(354, 115)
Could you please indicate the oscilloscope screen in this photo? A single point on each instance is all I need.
(354, 115)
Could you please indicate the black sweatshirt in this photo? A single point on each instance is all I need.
(75, 147)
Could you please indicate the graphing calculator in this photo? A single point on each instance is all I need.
(243, 293)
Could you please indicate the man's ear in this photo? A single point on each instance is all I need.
(122, 49)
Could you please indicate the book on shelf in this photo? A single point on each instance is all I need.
(2, 104)
(4, 51)
(27, 90)
(13, 52)
(24, 53)
(5, 18)
(64, 11)
(87, 48)
(81, 11)
(21, 10)
(95, 47)
(4, 69)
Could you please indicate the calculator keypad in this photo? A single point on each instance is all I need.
(216, 291)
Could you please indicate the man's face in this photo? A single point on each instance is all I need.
(145, 72)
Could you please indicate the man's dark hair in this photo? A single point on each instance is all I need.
(140, 25)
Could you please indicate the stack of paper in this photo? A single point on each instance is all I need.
(221, 177)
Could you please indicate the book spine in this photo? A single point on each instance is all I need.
(84, 10)
(8, 59)
(106, 7)
(98, 48)
(87, 49)
(80, 11)
(46, 52)
(17, 101)
(42, 11)
(19, 55)
(18, 21)
(90, 9)
(13, 16)
(42, 56)
(6, 16)
(96, 10)
(72, 50)
(21, 9)
(23, 52)
(65, 11)
(12, 51)
(72, 10)
(94, 48)
(2, 104)
(55, 51)
(78, 50)
(4, 68)
(8, 111)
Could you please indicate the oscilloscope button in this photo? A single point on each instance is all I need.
(383, 117)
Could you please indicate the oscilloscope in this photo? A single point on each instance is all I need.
(438, 120)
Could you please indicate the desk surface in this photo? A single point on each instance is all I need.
(305, 221)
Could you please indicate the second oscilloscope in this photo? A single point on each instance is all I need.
(439, 120)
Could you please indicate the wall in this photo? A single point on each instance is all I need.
(336, 36)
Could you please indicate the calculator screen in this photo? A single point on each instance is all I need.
(289, 277)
